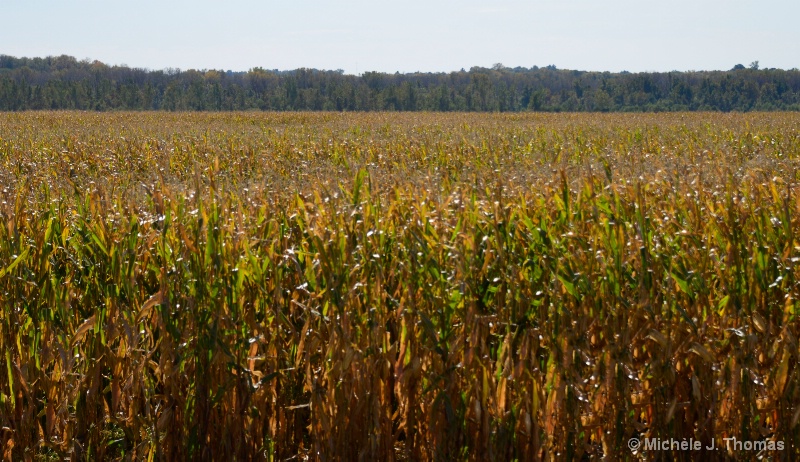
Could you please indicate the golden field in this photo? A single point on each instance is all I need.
(397, 286)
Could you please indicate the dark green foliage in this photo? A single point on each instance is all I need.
(66, 83)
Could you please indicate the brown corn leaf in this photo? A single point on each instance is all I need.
(658, 337)
(156, 299)
(759, 322)
(782, 374)
(82, 330)
(673, 405)
(702, 351)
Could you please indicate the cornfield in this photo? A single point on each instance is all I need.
(409, 286)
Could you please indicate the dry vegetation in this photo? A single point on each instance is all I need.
(396, 286)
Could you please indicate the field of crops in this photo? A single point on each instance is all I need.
(409, 286)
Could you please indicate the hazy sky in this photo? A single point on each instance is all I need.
(410, 35)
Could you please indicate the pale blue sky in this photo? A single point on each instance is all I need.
(410, 35)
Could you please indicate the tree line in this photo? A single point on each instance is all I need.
(64, 82)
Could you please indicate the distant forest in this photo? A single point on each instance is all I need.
(64, 82)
